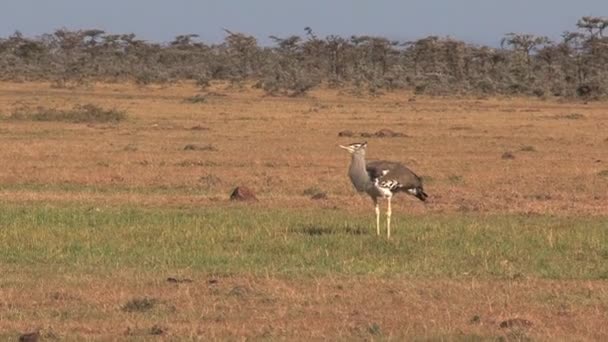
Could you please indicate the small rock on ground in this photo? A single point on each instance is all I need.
(242, 193)
(30, 337)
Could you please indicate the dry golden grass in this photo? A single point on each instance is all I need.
(241, 307)
(282, 148)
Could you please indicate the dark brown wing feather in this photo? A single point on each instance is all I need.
(409, 182)
(396, 171)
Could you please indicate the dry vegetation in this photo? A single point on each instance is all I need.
(180, 148)
(171, 152)
(127, 305)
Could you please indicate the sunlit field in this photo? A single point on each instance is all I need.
(122, 228)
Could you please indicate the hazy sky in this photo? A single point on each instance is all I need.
(477, 21)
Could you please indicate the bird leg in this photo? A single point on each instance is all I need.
(388, 219)
(377, 215)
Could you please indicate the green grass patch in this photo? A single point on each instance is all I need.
(303, 242)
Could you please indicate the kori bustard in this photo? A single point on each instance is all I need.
(381, 179)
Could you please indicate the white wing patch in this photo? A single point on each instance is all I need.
(389, 184)
(386, 187)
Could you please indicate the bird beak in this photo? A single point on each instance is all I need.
(348, 148)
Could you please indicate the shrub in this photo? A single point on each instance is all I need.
(525, 64)
(196, 99)
(139, 305)
(88, 113)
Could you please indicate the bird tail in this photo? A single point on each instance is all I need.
(419, 193)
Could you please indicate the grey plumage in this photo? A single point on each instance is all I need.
(381, 179)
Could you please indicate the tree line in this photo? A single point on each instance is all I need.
(524, 64)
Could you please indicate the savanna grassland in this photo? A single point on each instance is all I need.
(123, 229)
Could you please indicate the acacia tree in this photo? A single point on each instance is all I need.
(242, 51)
(294, 66)
(595, 56)
(526, 45)
(525, 63)
(336, 55)
(594, 26)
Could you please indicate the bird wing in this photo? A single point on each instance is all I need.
(396, 177)
(375, 171)
(383, 170)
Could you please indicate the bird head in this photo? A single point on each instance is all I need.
(355, 148)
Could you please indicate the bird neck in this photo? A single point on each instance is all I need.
(358, 173)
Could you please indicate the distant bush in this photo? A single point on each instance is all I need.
(139, 305)
(571, 116)
(528, 148)
(194, 147)
(79, 114)
(524, 64)
(198, 98)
